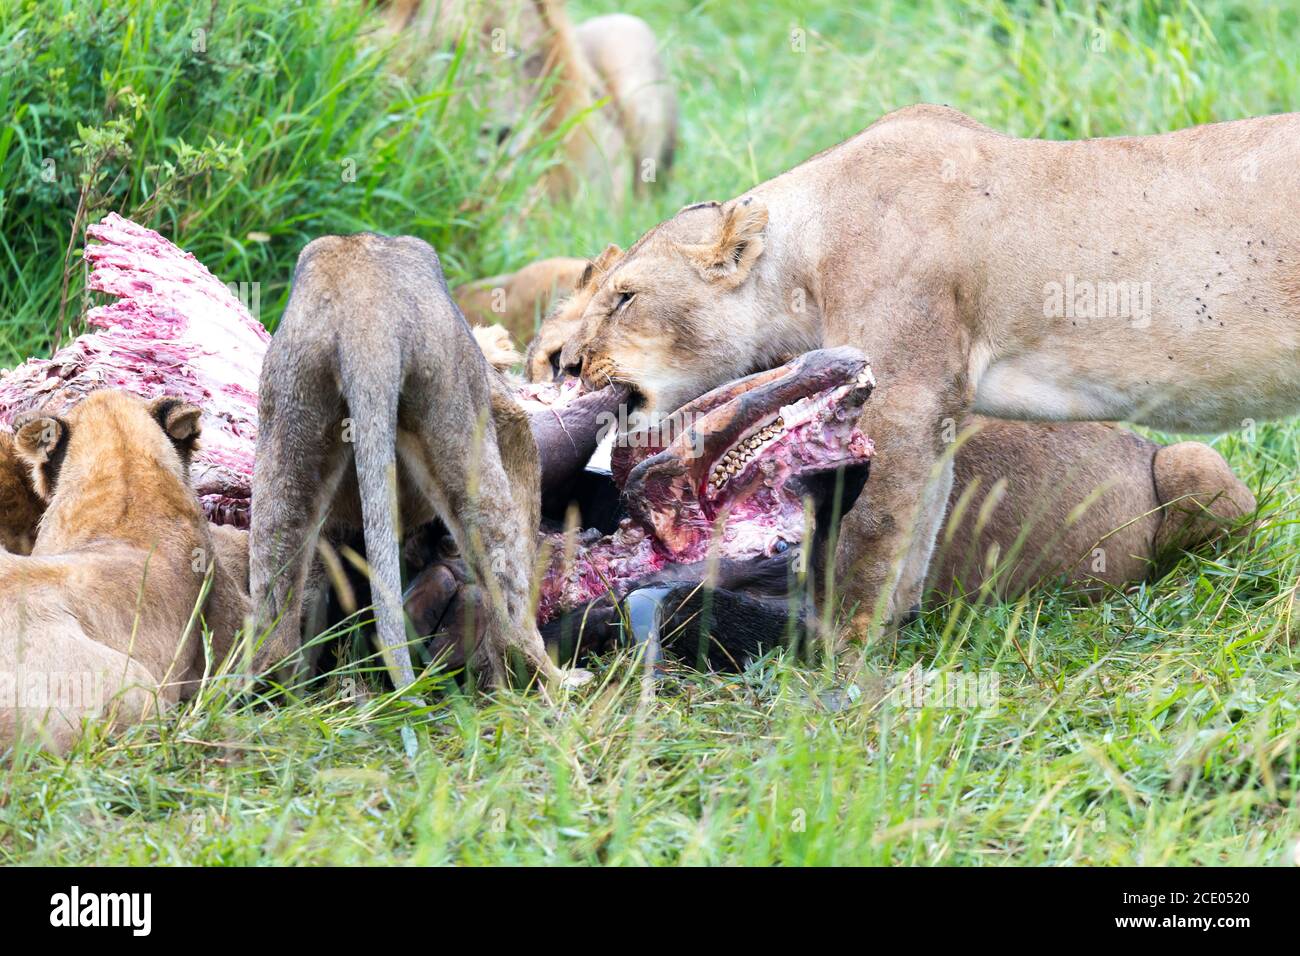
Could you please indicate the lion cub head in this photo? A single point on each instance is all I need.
(682, 311)
(94, 463)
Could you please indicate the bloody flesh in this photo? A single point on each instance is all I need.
(726, 476)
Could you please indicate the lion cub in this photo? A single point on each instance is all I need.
(99, 620)
(20, 507)
(542, 362)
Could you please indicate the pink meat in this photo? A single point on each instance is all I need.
(173, 330)
(598, 565)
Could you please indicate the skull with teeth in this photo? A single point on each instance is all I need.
(745, 456)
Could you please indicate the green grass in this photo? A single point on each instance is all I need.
(1154, 726)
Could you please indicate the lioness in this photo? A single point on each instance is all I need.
(100, 618)
(947, 252)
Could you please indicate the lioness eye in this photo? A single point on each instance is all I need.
(555, 365)
(624, 299)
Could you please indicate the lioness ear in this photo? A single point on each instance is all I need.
(180, 420)
(41, 441)
(606, 260)
(597, 267)
(728, 259)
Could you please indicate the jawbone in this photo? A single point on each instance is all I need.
(730, 480)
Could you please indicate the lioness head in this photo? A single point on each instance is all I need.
(542, 361)
(680, 313)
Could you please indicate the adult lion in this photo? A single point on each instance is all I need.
(1152, 279)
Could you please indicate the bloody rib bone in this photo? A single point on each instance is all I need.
(174, 329)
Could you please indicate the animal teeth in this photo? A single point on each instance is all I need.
(744, 452)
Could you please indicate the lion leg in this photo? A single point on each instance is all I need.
(888, 536)
(1200, 496)
(930, 517)
(887, 539)
(296, 474)
(461, 472)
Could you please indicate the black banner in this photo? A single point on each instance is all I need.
(334, 906)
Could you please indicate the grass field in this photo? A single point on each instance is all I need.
(1157, 726)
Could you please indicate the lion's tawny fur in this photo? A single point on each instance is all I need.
(497, 347)
(519, 299)
(542, 359)
(380, 413)
(1081, 502)
(20, 506)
